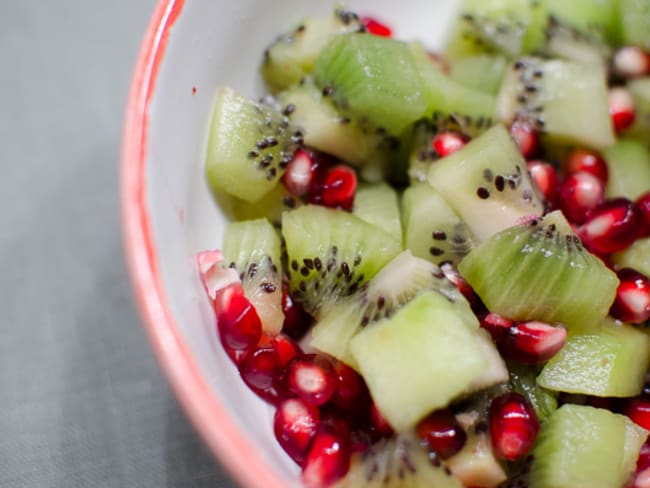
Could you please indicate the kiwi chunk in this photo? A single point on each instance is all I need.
(475, 464)
(432, 230)
(486, 183)
(482, 72)
(581, 446)
(539, 271)
(252, 247)
(606, 361)
(523, 381)
(374, 78)
(640, 91)
(292, 55)
(250, 146)
(628, 162)
(637, 256)
(378, 205)
(398, 462)
(419, 359)
(270, 206)
(550, 94)
(332, 253)
(635, 22)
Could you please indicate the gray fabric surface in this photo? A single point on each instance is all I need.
(82, 402)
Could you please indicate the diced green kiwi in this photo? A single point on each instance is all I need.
(332, 253)
(628, 162)
(486, 183)
(640, 91)
(580, 446)
(398, 462)
(609, 360)
(252, 247)
(418, 360)
(635, 22)
(378, 205)
(393, 286)
(637, 256)
(566, 41)
(566, 101)
(475, 464)
(292, 55)
(270, 206)
(374, 78)
(432, 230)
(482, 72)
(249, 147)
(535, 271)
(523, 381)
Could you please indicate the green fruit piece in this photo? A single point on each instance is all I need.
(486, 183)
(418, 360)
(635, 22)
(640, 91)
(637, 256)
(378, 205)
(373, 77)
(332, 253)
(475, 464)
(523, 381)
(270, 206)
(482, 72)
(606, 361)
(628, 162)
(540, 272)
(249, 147)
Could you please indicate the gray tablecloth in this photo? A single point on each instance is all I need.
(82, 402)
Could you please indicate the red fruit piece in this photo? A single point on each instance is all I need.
(351, 393)
(463, 286)
(631, 62)
(295, 425)
(587, 161)
(238, 323)
(638, 409)
(328, 458)
(532, 342)
(446, 143)
(296, 320)
(299, 174)
(497, 326)
(578, 194)
(286, 348)
(262, 372)
(373, 26)
(311, 377)
(213, 276)
(513, 426)
(545, 178)
(643, 204)
(621, 108)
(335, 188)
(632, 302)
(612, 226)
(525, 136)
(442, 432)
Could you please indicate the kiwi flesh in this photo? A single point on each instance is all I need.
(252, 247)
(541, 271)
(486, 183)
(640, 91)
(609, 360)
(637, 256)
(331, 253)
(523, 381)
(475, 464)
(378, 204)
(628, 162)
(249, 147)
(482, 72)
(635, 22)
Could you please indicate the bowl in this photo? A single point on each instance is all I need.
(191, 48)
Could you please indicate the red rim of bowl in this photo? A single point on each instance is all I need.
(211, 419)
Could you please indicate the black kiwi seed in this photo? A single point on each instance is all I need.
(268, 287)
(289, 202)
(252, 270)
(436, 251)
(483, 193)
(271, 174)
(289, 109)
(300, 28)
(357, 260)
(309, 263)
(334, 250)
(488, 175)
(499, 183)
(331, 263)
(381, 301)
(271, 141)
(327, 90)
(294, 265)
(262, 144)
(253, 154)
(345, 268)
(318, 264)
(303, 287)
(439, 236)
(304, 271)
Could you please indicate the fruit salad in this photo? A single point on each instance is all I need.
(437, 267)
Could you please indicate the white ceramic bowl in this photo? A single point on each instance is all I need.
(190, 48)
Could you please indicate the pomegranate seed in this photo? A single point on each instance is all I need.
(638, 409)
(612, 226)
(239, 325)
(446, 143)
(351, 393)
(641, 479)
(237, 356)
(513, 426)
(643, 204)
(311, 377)
(545, 178)
(621, 108)
(286, 348)
(335, 188)
(588, 161)
(296, 320)
(299, 174)
(497, 326)
(463, 286)
(328, 458)
(525, 136)
(213, 276)
(376, 28)
(631, 62)
(578, 194)
(380, 425)
(442, 432)
(532, 342)
(295, 425)
(262, 372)
(632, 302)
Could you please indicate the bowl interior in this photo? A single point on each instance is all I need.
(213, 43)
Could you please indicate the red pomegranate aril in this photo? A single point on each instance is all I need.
(497, 326)
(262, 371)
(638, 409)
(632, 302)
(631, 62)
(587, 161)
(643, 461)
(286, 348)
(544, 176)
(312, 378)
(295, 425)
(238, 323)
(213, 276)
(532, 342)
(525, 136)
(578, 194)
(621, 108)
(296, 320)
(513, 426)
(612, 226)
(641, 477)
(351, 393)
(380, 425)
(373, 26)
(299, 174)
(336, 188)
(463, 286)
(328, 458)
(446, 143)
(643, 204)
(442, 432)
